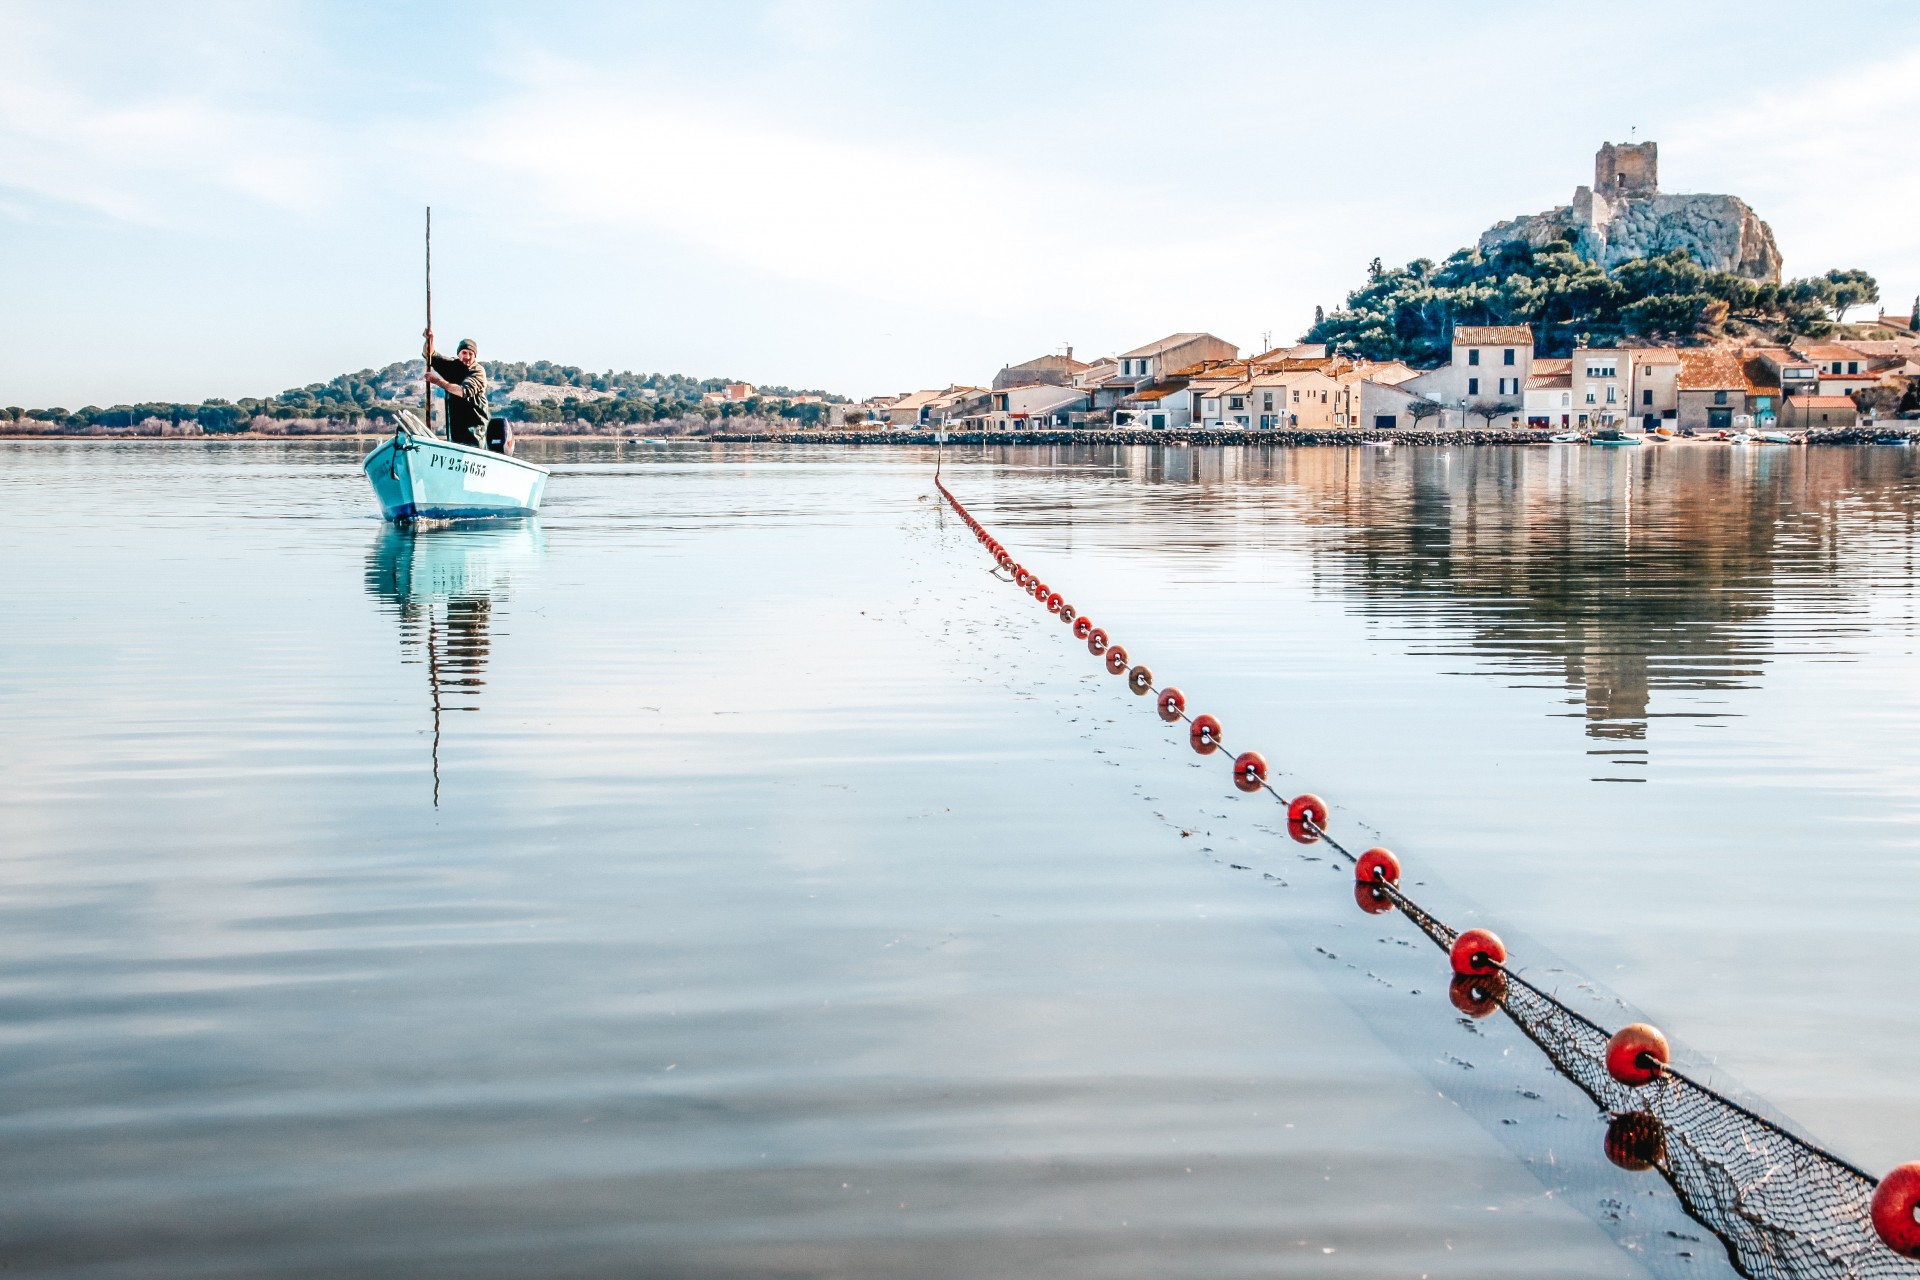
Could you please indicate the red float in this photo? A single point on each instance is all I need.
(1055, 602)
(1117, 660)
(1377, 864)
(1250, 771)
(1082, 626)
(1204, 735)
(1308, 809)
(1140, 680)
(1372, 899)
(1473, 994)
(1173, 704)
(1896, 1209)
(1040, 590)
(1096, 642)
(1020, 576)
(1636, 1141)
(1477, 951)
(1629, 1050)
(1068, 613)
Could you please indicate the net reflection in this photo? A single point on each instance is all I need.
(443, 585)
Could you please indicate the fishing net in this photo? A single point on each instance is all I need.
(1782, 1206)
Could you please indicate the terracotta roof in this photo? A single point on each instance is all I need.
(1778, 355)
(1165, 344)
(1158, 391)
(1653, 355)
(1760, 375)
(1830, 351)
(1713, 369)
(1822, 402)
(1553, 366)
(1550, 381)
(1493, 335)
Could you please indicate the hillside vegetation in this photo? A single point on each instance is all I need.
(1409, 313)
(372, 396)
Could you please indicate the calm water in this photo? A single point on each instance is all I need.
(726, 876)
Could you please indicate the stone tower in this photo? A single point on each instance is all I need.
(1628, 169)
(1624, 215)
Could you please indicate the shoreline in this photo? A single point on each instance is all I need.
(1908, 429)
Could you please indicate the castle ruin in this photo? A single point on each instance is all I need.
(1624, 215)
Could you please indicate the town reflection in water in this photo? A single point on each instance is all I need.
(1618, 574)
(444, 584)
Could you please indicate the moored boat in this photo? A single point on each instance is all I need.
(418, 476)
(1566, 437)
(1612, 437)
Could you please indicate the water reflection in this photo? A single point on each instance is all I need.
(443, 584)
(1678, 570)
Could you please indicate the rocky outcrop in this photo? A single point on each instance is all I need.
(1616, 224)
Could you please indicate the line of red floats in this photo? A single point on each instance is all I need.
(1636, 1055)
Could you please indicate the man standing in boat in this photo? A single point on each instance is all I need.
(469, 416)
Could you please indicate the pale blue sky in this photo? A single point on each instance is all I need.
(225, 199)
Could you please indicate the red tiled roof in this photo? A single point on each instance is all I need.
(1493, 335)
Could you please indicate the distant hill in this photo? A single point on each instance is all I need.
(373, 395)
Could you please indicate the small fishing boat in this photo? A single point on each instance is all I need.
(1893, 439)
(1612, 437)
(418, 476)
(1776, 437)
(1565, 437)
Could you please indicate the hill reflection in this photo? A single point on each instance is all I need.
(1615, 574)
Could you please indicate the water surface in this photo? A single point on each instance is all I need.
(724, 875)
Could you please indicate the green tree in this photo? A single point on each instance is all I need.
(1849, 289)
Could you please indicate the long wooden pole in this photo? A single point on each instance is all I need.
(426, 358)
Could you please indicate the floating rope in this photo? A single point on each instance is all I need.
(1783, 1206)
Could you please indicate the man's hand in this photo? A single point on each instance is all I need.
(426, 348)
(451, 388)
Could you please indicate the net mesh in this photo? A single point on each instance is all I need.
(1783, 1207)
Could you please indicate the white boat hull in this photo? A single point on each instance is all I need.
(423, 478)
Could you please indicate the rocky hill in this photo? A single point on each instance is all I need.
(1624, 216)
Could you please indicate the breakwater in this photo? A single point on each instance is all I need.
(1204, 438)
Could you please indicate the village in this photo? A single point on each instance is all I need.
(1494, 381)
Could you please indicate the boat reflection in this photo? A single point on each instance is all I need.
(443, 585)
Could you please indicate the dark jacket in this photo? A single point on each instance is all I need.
(467, 414)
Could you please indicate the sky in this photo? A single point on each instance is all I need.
(226, 199)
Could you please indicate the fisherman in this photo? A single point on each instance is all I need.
(470, 418)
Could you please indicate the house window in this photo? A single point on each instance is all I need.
(1236, 402)
(1719, 397)
(1509, 359)
(1853, 366)
(1612, 393)
(1473, 355)
(1589, 397)
(1266, 401)
(1646, 397)
(1473, 386)
(1296, 395)
(1566, 398)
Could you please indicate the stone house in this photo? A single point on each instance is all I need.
(1383, 406)
(1654, 389)
(1549, 395)
(1490, 363)
(933, 408)
(1824, 413)
(1842, 369)
(1034, 405)
(1145, 365)
(1601, 379)
(1053, 370)
(1792, 372)
(1714, 390)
